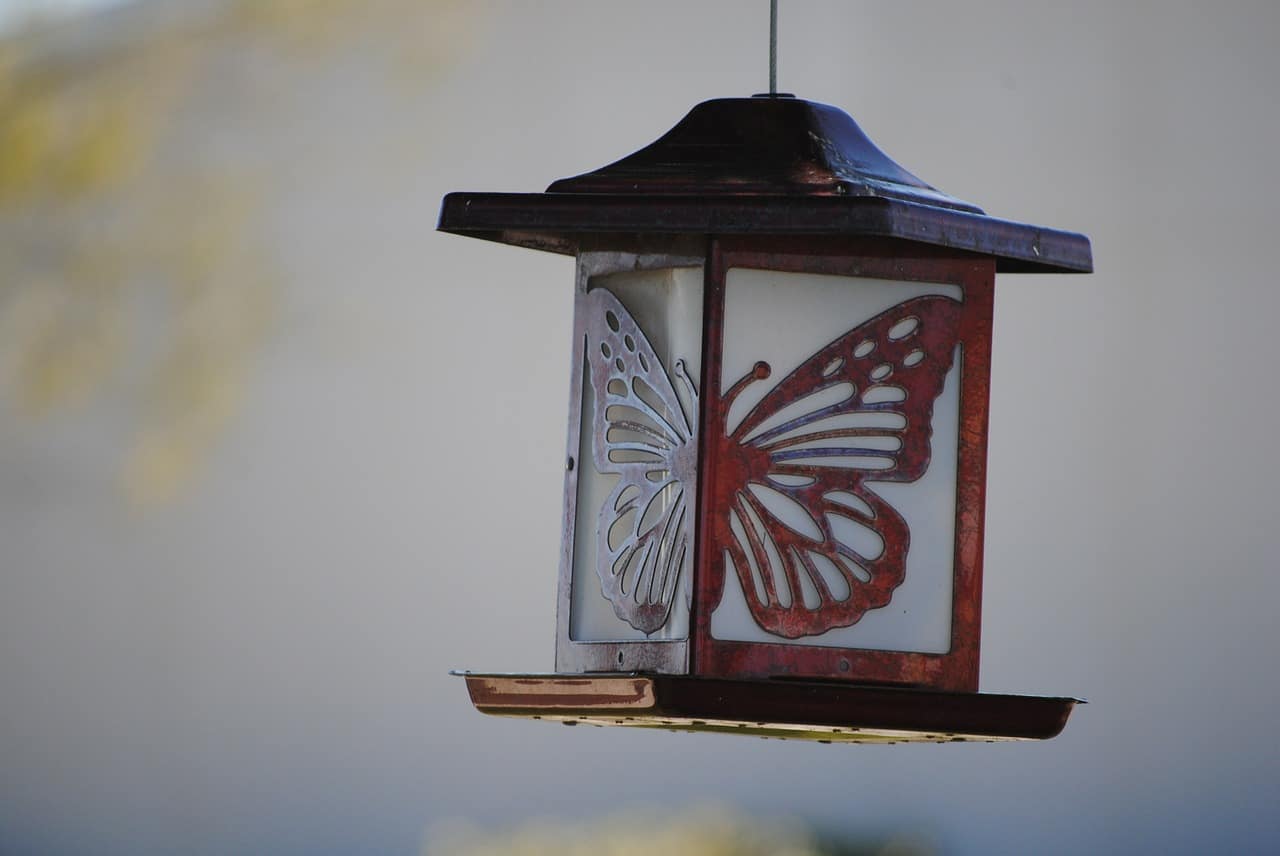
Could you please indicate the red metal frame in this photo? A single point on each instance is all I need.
(956, 670)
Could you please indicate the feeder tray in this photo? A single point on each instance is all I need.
(827, 712)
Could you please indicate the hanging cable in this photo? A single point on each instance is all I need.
(773, 48)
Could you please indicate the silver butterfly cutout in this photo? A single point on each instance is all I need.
(644, 435)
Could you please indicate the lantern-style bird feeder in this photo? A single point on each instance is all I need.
(776, 463)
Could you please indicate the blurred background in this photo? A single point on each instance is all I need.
(275, 455)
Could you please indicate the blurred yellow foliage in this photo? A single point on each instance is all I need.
(110, 217)
(427, 32)
(65, 343)
(696, 832)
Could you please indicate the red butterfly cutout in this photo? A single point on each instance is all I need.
(806, 453)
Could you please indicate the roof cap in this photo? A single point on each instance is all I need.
(768, 165)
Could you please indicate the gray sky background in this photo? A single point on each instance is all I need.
(259, 663)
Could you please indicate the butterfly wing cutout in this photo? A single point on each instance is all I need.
(644, 435)
(813, 547)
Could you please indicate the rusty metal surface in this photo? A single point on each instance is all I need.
(563, 222)
(825, 712)
(729, 463)
(768, 166)
(762, 147)
(492, 693)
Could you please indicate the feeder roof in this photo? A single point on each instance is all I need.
(768, 166)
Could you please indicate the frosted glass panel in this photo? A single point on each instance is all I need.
(633, 537)
(852, 388)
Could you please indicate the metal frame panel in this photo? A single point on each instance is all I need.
(956, 670)
(572, 656)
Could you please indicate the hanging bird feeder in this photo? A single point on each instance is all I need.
(776, 462)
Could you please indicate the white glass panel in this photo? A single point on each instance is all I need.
(785, 319)
(660, 367)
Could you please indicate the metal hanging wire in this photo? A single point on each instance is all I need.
(773, 48)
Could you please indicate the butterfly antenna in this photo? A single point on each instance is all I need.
(759, 371)
(683, 374)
